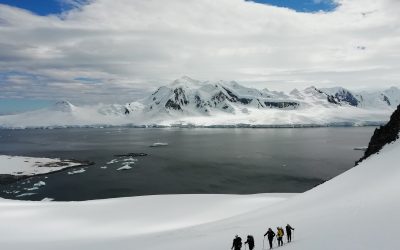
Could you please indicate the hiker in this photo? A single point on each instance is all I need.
(280, 234)
(250, 241)
(289, 233)
(271, 236)
(237, 243)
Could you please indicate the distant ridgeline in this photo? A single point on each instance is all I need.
(384, 135)
(193, 96)
(189, 102)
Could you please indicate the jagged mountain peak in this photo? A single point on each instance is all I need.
(336, 91)
(342, 95)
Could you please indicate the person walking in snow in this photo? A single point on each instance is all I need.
(289, 233)
(271, 236)
(250, 241)
(237, 243)
(280, 234)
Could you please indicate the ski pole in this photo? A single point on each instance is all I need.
(263, 242)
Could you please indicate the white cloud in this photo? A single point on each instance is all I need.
(132, 46)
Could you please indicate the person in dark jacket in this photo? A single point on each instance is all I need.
(237, 243)
(289, 232)
(250, 241)
(270, 234)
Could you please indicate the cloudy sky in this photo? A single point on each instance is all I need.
(118, 50)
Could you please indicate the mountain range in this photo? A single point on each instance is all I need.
(189, 102)
(194, 97)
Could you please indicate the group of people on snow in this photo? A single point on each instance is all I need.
(237, 241)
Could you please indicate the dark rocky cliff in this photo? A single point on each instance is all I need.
(383, 135)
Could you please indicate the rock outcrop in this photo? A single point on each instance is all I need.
(384, 135)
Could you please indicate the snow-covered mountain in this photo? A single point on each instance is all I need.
(186, 101)
(342, 95)
(190, 96)
(388, 98)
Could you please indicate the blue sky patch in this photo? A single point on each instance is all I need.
(302, 5)
(42, 7)
(88, 80)
(13, 106)
(48, 7)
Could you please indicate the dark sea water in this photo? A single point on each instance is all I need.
(197, 160)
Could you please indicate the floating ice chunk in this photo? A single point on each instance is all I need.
(25, 194)
(130, 160)
(124, 167)
(79, 171)
(36, 186)
(159, 144)
(112, 161)
(47, 199)
(39, 184)
(103, 167)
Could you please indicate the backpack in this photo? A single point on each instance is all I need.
(250, 240)
(238, 242)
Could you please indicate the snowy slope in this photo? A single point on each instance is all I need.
(356, 210)
(191, 102)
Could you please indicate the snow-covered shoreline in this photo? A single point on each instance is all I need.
(13, 168)
(189, 125)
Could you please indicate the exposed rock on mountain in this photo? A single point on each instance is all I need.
(384, 135)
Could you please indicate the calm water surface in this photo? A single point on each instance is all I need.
(200, 160)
